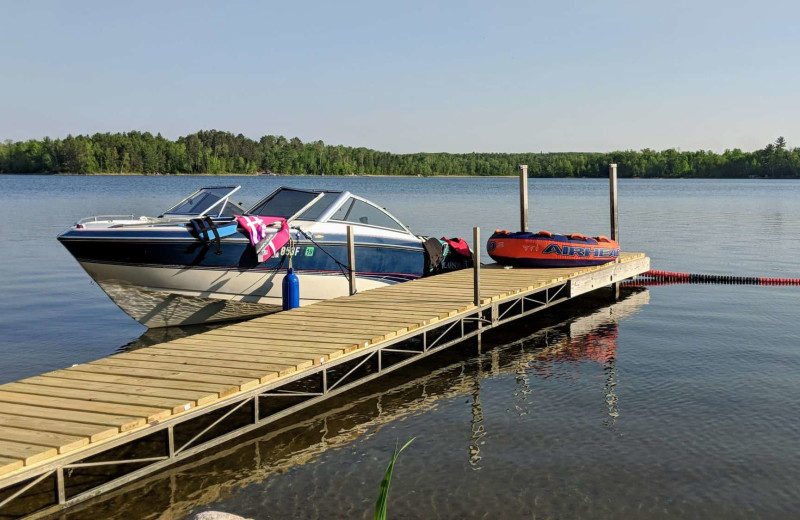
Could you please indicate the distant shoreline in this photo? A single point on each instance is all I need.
(132, 174)
(218, 152)
(293, 175)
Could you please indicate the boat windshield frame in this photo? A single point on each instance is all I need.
(318, 195)
(339, 198)
(220, 204)
(347, 196)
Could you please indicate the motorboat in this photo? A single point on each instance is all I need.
(546, 249)
(196, 264)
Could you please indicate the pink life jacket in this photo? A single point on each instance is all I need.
(459, 245)
(258, 229)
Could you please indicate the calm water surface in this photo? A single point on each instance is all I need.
(677, 401)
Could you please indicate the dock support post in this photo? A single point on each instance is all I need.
(523, 198)
(476, 269)
(351, 259)
(170, 442)
(61, 494)
(476, 278)
(612, 188)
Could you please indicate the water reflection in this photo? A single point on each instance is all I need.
(552, 346)
(549, 352)
(155, 336)
(476, 425)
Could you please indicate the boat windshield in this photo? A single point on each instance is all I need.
(211, 200)
(290, 203)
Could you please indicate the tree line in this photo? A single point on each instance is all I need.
(217, 152)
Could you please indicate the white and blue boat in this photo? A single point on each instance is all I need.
(193, 264)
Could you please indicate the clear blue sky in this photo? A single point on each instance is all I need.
(409, 76)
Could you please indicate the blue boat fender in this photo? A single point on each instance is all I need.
(291, 290)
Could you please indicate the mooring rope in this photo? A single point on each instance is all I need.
(345, 269)
(654, 278)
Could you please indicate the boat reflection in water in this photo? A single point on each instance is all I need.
(152, 337)
(553, 342)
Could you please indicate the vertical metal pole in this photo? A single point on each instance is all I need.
(351, 258)
(612, 187)
(61, 493)
(523, 198)
(476, 278)
(476, 270)
(170, 442)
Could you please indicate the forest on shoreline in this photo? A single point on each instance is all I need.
(218, 152)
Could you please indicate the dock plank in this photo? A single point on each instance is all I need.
(217, 390)
(333, 324)
(7, 465)
(348, 309)
(308, 343)
(148, 413)
(255, 344)
(212, 351)
(311, 313)
(278, 329)
(175, 405)
(277, 347)
(261, 367)
(385, 304)
(28, 453)
(356, 335)
(237, 383)
(256, 376)
(309, 317)
(265, 364)
(258, 348)
(196, 397)
(440, 309)
(94, 432)
(122, 422)
(62, 442)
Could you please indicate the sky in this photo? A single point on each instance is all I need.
(409, 76)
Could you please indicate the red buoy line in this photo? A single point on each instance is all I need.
(654, 277)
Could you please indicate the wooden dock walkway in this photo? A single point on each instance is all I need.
(62, 425)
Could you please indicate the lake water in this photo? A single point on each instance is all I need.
(675, 402)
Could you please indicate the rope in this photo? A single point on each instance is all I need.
(655, 278)
(290, 251)
(342, 267)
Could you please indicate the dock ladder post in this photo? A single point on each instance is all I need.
(523, 198)
(476, 277)
(351, 259)
(612, 188)
(476, 266)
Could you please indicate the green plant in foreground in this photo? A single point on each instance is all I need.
(383, 493)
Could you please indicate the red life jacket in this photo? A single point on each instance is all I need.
(459, 245)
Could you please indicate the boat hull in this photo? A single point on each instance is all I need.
(164, 277)
(550, 250)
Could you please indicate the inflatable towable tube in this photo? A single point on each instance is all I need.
(545, 249)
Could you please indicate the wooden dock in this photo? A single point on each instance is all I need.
(133, 413)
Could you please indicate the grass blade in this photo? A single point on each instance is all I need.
(383, 493)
